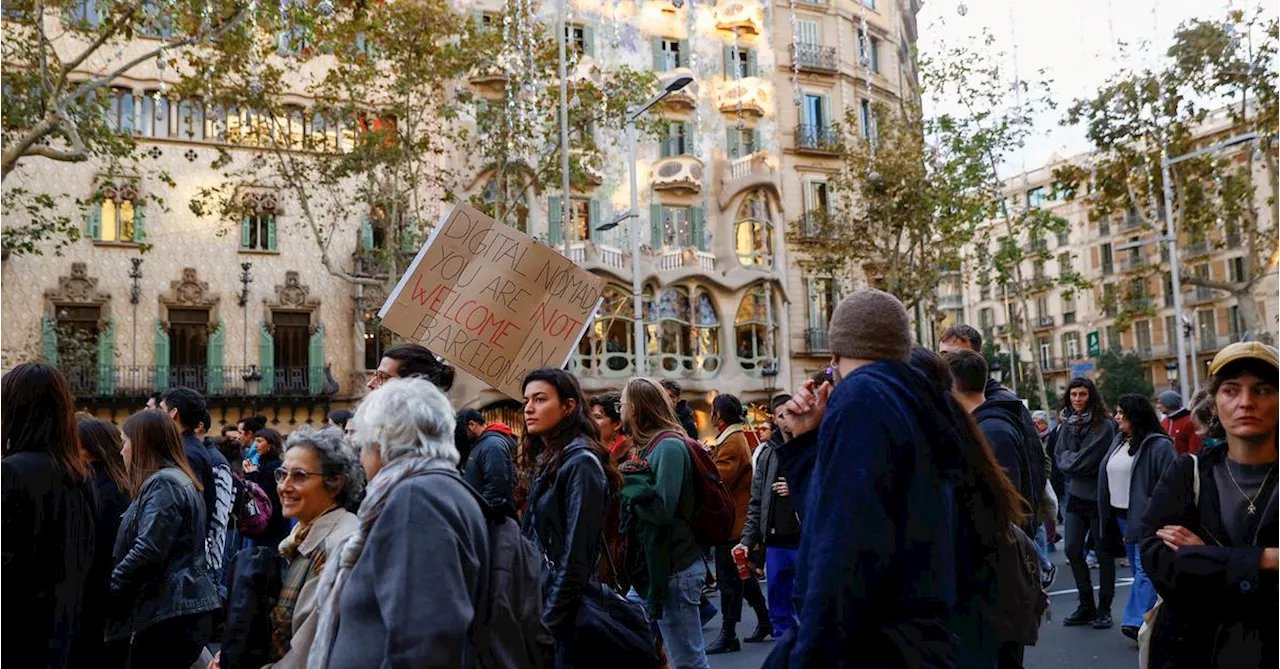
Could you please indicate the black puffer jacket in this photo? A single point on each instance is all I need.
(565, 517)
(1220, 607)
(160, 568)
(685, 413)
(491, 469)
(1080, 449)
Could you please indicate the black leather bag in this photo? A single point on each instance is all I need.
(610, 625)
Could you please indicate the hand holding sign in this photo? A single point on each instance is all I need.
(492, 300)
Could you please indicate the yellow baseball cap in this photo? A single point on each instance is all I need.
(1245, 350)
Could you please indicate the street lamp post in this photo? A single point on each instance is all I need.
(1171, 238)
(634, 213)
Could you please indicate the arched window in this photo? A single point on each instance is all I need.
(682, 334)
(755, 331)
(753, 231)
(607, 349)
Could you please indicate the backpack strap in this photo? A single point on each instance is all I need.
(1195, 478)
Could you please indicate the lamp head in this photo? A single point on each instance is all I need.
(679, 83)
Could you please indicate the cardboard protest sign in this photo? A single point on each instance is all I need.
(492, 300)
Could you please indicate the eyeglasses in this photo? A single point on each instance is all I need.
(297, 476)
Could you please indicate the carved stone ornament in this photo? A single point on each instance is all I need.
(189, 293)
(78, 289)
(260, 202)
(294, 295)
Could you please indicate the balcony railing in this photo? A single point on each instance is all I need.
(1199, 248)
(1044, 322)
(1233, 240)
(815, 340)
(1130, 222)
(815, 224)
(814, 57)
(817, 138)
(1198, 296)
(610, 255)
(1037, 246)
(223, 381)
(1139, 304)
(1134, 263)
(950, 301)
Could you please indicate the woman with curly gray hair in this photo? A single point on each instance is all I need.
(406, 587)
(320, 483)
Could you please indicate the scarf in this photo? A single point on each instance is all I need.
(1069, 417)
(289, 546)
(337, 572)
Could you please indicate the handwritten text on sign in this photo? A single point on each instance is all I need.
(492, 300)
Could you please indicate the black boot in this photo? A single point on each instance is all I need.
(1102, 621)
(763, 631)
(727, 642)
(1084, 615)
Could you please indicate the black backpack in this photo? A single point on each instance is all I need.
(508, 629)
(1020, 602)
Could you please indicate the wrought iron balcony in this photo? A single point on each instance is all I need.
(950, 301)
(814, 57)
(103, 381)
(1044, 323)
(817, 138)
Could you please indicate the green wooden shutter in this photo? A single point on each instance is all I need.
(685, 56)
(48, 341)
(757, 140)
(826, 112)
(666, 146)
(728, 63)
(139, 224)
(753, 63)
(734, 143)
(315, 360)
(589, 40)
(271, 233)
(266, 360)
(656, 228)
(245, 235)
(593, 219)
(477, 15)
(554, 225)
(93, 221)
(688, 138)
(812, 287)
(161, 361)
(216, 360)
(656, 43)
(695, 228)
(366, 233)
(107, 359)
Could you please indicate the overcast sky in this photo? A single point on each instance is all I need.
(1075, 41)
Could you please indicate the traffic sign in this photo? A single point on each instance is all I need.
(1094, 344)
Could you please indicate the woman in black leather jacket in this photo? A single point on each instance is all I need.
(574, 480)
(162, 597)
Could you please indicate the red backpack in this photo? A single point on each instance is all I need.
(714, 511)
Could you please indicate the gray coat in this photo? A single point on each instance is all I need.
(760, 508)
(1079, 450)
(1154, 456)
(411, 598)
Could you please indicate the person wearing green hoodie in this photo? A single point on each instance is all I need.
(673, 575)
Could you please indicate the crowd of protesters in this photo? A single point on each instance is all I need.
(901, 504)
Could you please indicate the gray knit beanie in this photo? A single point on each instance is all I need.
(1171, 400)
(872, 325)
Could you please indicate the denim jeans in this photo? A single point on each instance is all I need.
(1042, 547)
(680, 624)
(780, 569)
(1142, 594)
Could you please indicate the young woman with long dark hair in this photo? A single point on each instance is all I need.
(164, 599)
(268, 444)
(1213, 556)
(574, 480)
(1127, 477)
(100, 446)
(1085, 434)
(48, 522)
(990, 503)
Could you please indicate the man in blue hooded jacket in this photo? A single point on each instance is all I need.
(873, 473)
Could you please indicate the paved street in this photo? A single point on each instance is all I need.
(1059, 647)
